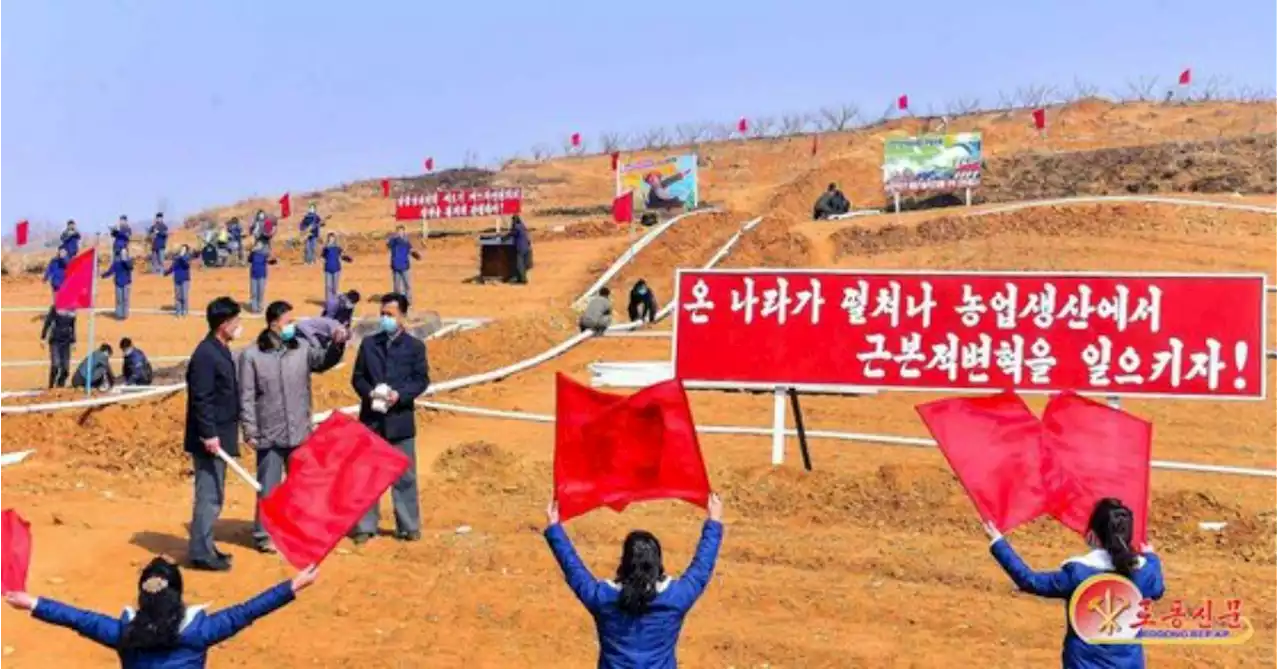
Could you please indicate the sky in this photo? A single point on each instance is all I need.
(125, 106)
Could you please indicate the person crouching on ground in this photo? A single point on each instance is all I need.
(1111, 537)
(164, 631)
(275, 397)
(598, 314)
(639, 615)
(643, 306)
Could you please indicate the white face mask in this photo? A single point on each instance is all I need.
(235, 334)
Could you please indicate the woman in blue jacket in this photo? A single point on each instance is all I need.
(401, 250)
(259, 258)
(56, 271)
(1111, 538)
(122, 270)
(639, 615)
(164, 633)
(333, 259)
(180, 268)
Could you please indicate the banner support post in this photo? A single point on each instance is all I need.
(779, 425)
(968, 197)
(93, 308)
(897, 203)
(799, 419)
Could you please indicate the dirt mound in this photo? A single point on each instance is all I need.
(1058, 221)
(771, 244)
(1240, 165)
(689, 243)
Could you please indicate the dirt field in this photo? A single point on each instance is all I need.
(874, 559)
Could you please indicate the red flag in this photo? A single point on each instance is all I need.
(337, 474)
(613, 160)
(1101, 452)
(429, 163)
(993, 445)
(1184, 79)
(1038, 117)
(813, 151)
(285, 208)
(742, 125)
(386, 188)
(902, 102)
(21, 234)
(575, 139)
(76, 291)
(17, 551)
(613, 450)
(622, 208)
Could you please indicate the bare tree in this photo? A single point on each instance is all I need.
(1212, 88)
(570, 149)
(839, 117)
(1251, 94)
(1141, 89)
(655, 138)
(1036, 95)
(1083, 90)
(692, 133)
(793, 124)
(540, 152)
(762, 127)
(723, 131)
(470, 158)
(610, 141)
(962, 106)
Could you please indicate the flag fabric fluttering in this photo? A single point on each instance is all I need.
(337, 474)
(576, 139)
(386, 188)
(430, 164)
(1184, 79)
(286, 206)
(76, 291)
(742, 125)
(613, 160)
(1037, 116)
(902, 103)
(16, 551)
(22, 233)
(613, 451)
(623, 207)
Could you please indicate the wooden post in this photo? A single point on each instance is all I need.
(779, 425)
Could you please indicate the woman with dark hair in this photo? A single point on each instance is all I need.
(1111, 538)
(639, 614)
(164, 632)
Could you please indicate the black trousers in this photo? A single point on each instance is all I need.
(59, 363)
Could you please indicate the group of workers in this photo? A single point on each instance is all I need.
(59, 334)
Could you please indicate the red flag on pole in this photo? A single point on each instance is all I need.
(576, 139)
(285, 206)
(386, 188)
(1184, 79)
(613, 160)
(430, 164)
(337, 474)
(993, 445)
(612, 450)
(622, 208)
(1038, 117)
(742, 125)
(1101, 452)
(902, 102)
(17, 551)
(76, 291)
(813, 151)
(22, 233)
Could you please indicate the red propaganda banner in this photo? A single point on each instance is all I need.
(460, 203)
(1184, 335)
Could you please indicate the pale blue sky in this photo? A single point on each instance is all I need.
(110, 106)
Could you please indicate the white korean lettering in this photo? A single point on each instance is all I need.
(1148, 308)
(946, 357)
(1116, 308)
(700, 305)
(1169, 362)
(855, 302)
(812, 299)
(1079, 308)
(879, 354)
(1130, 362)
(1042, 304)
(1097, 357)
(971, 307)
(1207, 365)
(1042, 361)
(924, 308)
(1009, 358)
(745, 300)
(889, 303)
(777, 300)
(911, 354)
(1005, 306)
(975, 358)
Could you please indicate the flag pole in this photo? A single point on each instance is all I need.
(93, 304)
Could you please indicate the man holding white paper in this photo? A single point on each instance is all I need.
(390, 373)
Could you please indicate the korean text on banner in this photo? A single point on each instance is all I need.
(1191, 335)
(666, 183)
(459, 203)
(932, 162)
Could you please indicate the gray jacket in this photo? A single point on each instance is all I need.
(275, 388)
(598, 314)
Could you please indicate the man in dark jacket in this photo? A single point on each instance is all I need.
(122, 269)
(56, 271)
(831, 203)
(390, 373)
(135, 369)
(60, 332)
(519, 236)
(310, 226)
(121, 235)
(70, 240)
(642, 306)
(159, 234)
(100, 362)
(213, 419)
(401, 250)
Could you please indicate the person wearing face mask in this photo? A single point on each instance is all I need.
(159, 234)
(401, 251)
(56, 271)
(135, 369)
(310, 226)
(69, 241)
(121, 234)
(122, 270)
(59, 330)
(180, 268)
(213, 416)
(259, 258)
(642, 306)
(389, 374)
(275, 397)
(333, 259)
